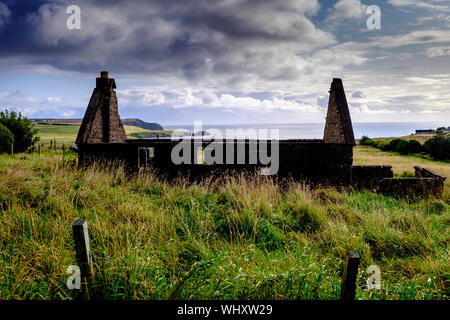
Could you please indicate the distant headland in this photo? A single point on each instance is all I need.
(128, 122)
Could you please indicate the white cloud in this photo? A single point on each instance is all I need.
(348, 9)
(209, 99)
(438, 52)
(52, 100)
(364, 109)
(15, 98)
(428, 111)
(68, 114)
(4, 14)
(435, 5)
(415, 37)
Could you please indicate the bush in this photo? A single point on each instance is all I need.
(397, 145)
(414, 146)
(383, 145)
(402, 147)
(438, 147)
(365, 140)
(6, 138)
(22, 129)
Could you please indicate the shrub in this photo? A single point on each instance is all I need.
(22, 129)
(383, 145)
(6, 138)
(396, 145)
(402, 147)
(414, 146)
(438, 147)
(364, 141)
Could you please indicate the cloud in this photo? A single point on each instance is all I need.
(437, 5)
(15, 98)
(52, 100)
(428, 111)
(358, 94)
(418, 37)
(364, 109)
(4, 14)
(415, 37)
(438, 52)
(227, 42)
(242, 57)
(184, 98)
(348, 9)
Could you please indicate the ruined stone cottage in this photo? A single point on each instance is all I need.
(325, 161)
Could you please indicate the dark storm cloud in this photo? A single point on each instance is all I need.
(193, 39)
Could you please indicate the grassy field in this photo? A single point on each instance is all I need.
(244, 238)
(419, 137)
(241, 238)
(365, 155)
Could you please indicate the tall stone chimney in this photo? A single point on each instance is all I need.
(101, 122)
(338, 126)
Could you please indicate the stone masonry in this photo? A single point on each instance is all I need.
(102, 123)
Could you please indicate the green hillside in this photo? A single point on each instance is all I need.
(67, 133)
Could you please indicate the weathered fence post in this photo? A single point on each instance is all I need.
(12, 148)
(39, 149)
(81, 238)
(349, 279)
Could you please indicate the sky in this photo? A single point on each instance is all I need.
(228, 61)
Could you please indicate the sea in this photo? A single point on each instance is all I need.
(308, 130)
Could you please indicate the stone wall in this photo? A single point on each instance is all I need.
(427, 173)
(380, 179)
(412, 187)
(368, 177)
(298, 159)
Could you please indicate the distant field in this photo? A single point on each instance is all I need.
(365, 155)
(420, 137)
(66, 134)
(59, 121)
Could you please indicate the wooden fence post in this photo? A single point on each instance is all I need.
(12, 148)
(349, 279)
(81, 238)
(39, 148)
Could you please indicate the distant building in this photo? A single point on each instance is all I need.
(427, 131)
(443, 129)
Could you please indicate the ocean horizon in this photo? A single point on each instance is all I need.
(315, 130)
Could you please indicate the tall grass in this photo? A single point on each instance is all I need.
(240, 237)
